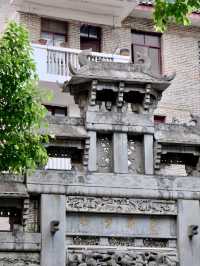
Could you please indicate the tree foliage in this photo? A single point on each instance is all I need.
(21, 112)
(177, 11)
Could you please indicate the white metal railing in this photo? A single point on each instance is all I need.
(53, 62)
(58, 164)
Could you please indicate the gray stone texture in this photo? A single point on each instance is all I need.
(188, 214)
(120, 153)
(53, 245)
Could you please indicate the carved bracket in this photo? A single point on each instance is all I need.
(92, 97)
(120, 97)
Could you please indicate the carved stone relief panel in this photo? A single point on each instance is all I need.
(120, 205)
(33, 216)
(19, 259)
(135, 155)
(121, 258)
(86, 240)
(122, 242)
(161, 243)
(104, 153)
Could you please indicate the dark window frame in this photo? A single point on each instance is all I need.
(159, 119)
(52, 109)
(89, 37)
(54, 33)
(159, 48)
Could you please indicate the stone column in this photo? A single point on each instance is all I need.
(120, 153)
(189, 248)
(148, 154)
(92, 160)
(53, 244)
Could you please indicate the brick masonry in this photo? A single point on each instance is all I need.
(33, 24)
(180, 53)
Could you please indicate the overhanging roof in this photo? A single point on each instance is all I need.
(107, 12)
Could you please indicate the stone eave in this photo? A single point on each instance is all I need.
(179, 142)
(80, 79)
(66, 131)
(12, 190)
(177, 134)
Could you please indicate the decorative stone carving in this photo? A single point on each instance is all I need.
(104, 153)
(26, 211)
(120, 205)
(86, 152)
(135, 153)
(147, 98)
(93, 92)
(157, 156)
(121, 241)
(19, 259)
(32, 222)
(121, 258)
(150, 242)
(86, 240)
(120, 95)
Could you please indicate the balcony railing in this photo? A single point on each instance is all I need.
(53, 62)
(58, 164)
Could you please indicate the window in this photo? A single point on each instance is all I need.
(90, 37)
(56, 110)
(63, 158)
(148, 45)
(9, 217)
(159, 119)
(54, 32)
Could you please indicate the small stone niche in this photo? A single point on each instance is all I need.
(179, 164)
(10, 214)
(104, 153)
(64, 157)
(134, 101)
(135, 154)
(106, 100)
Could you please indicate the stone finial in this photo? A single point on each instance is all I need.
(143, 60)
(83, 57)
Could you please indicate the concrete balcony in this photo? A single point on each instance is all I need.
(52, 63)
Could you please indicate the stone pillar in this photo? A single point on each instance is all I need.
(148, 154)
(189, 248)
(92, 161)
(120, 153)
(53, 244)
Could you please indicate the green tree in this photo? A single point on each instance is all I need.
(21, 112)
(173, 11)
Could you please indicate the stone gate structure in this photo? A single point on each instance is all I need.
(117, 205)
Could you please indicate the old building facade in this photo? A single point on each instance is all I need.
(122, 183)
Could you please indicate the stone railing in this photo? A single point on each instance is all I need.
(53, 62)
